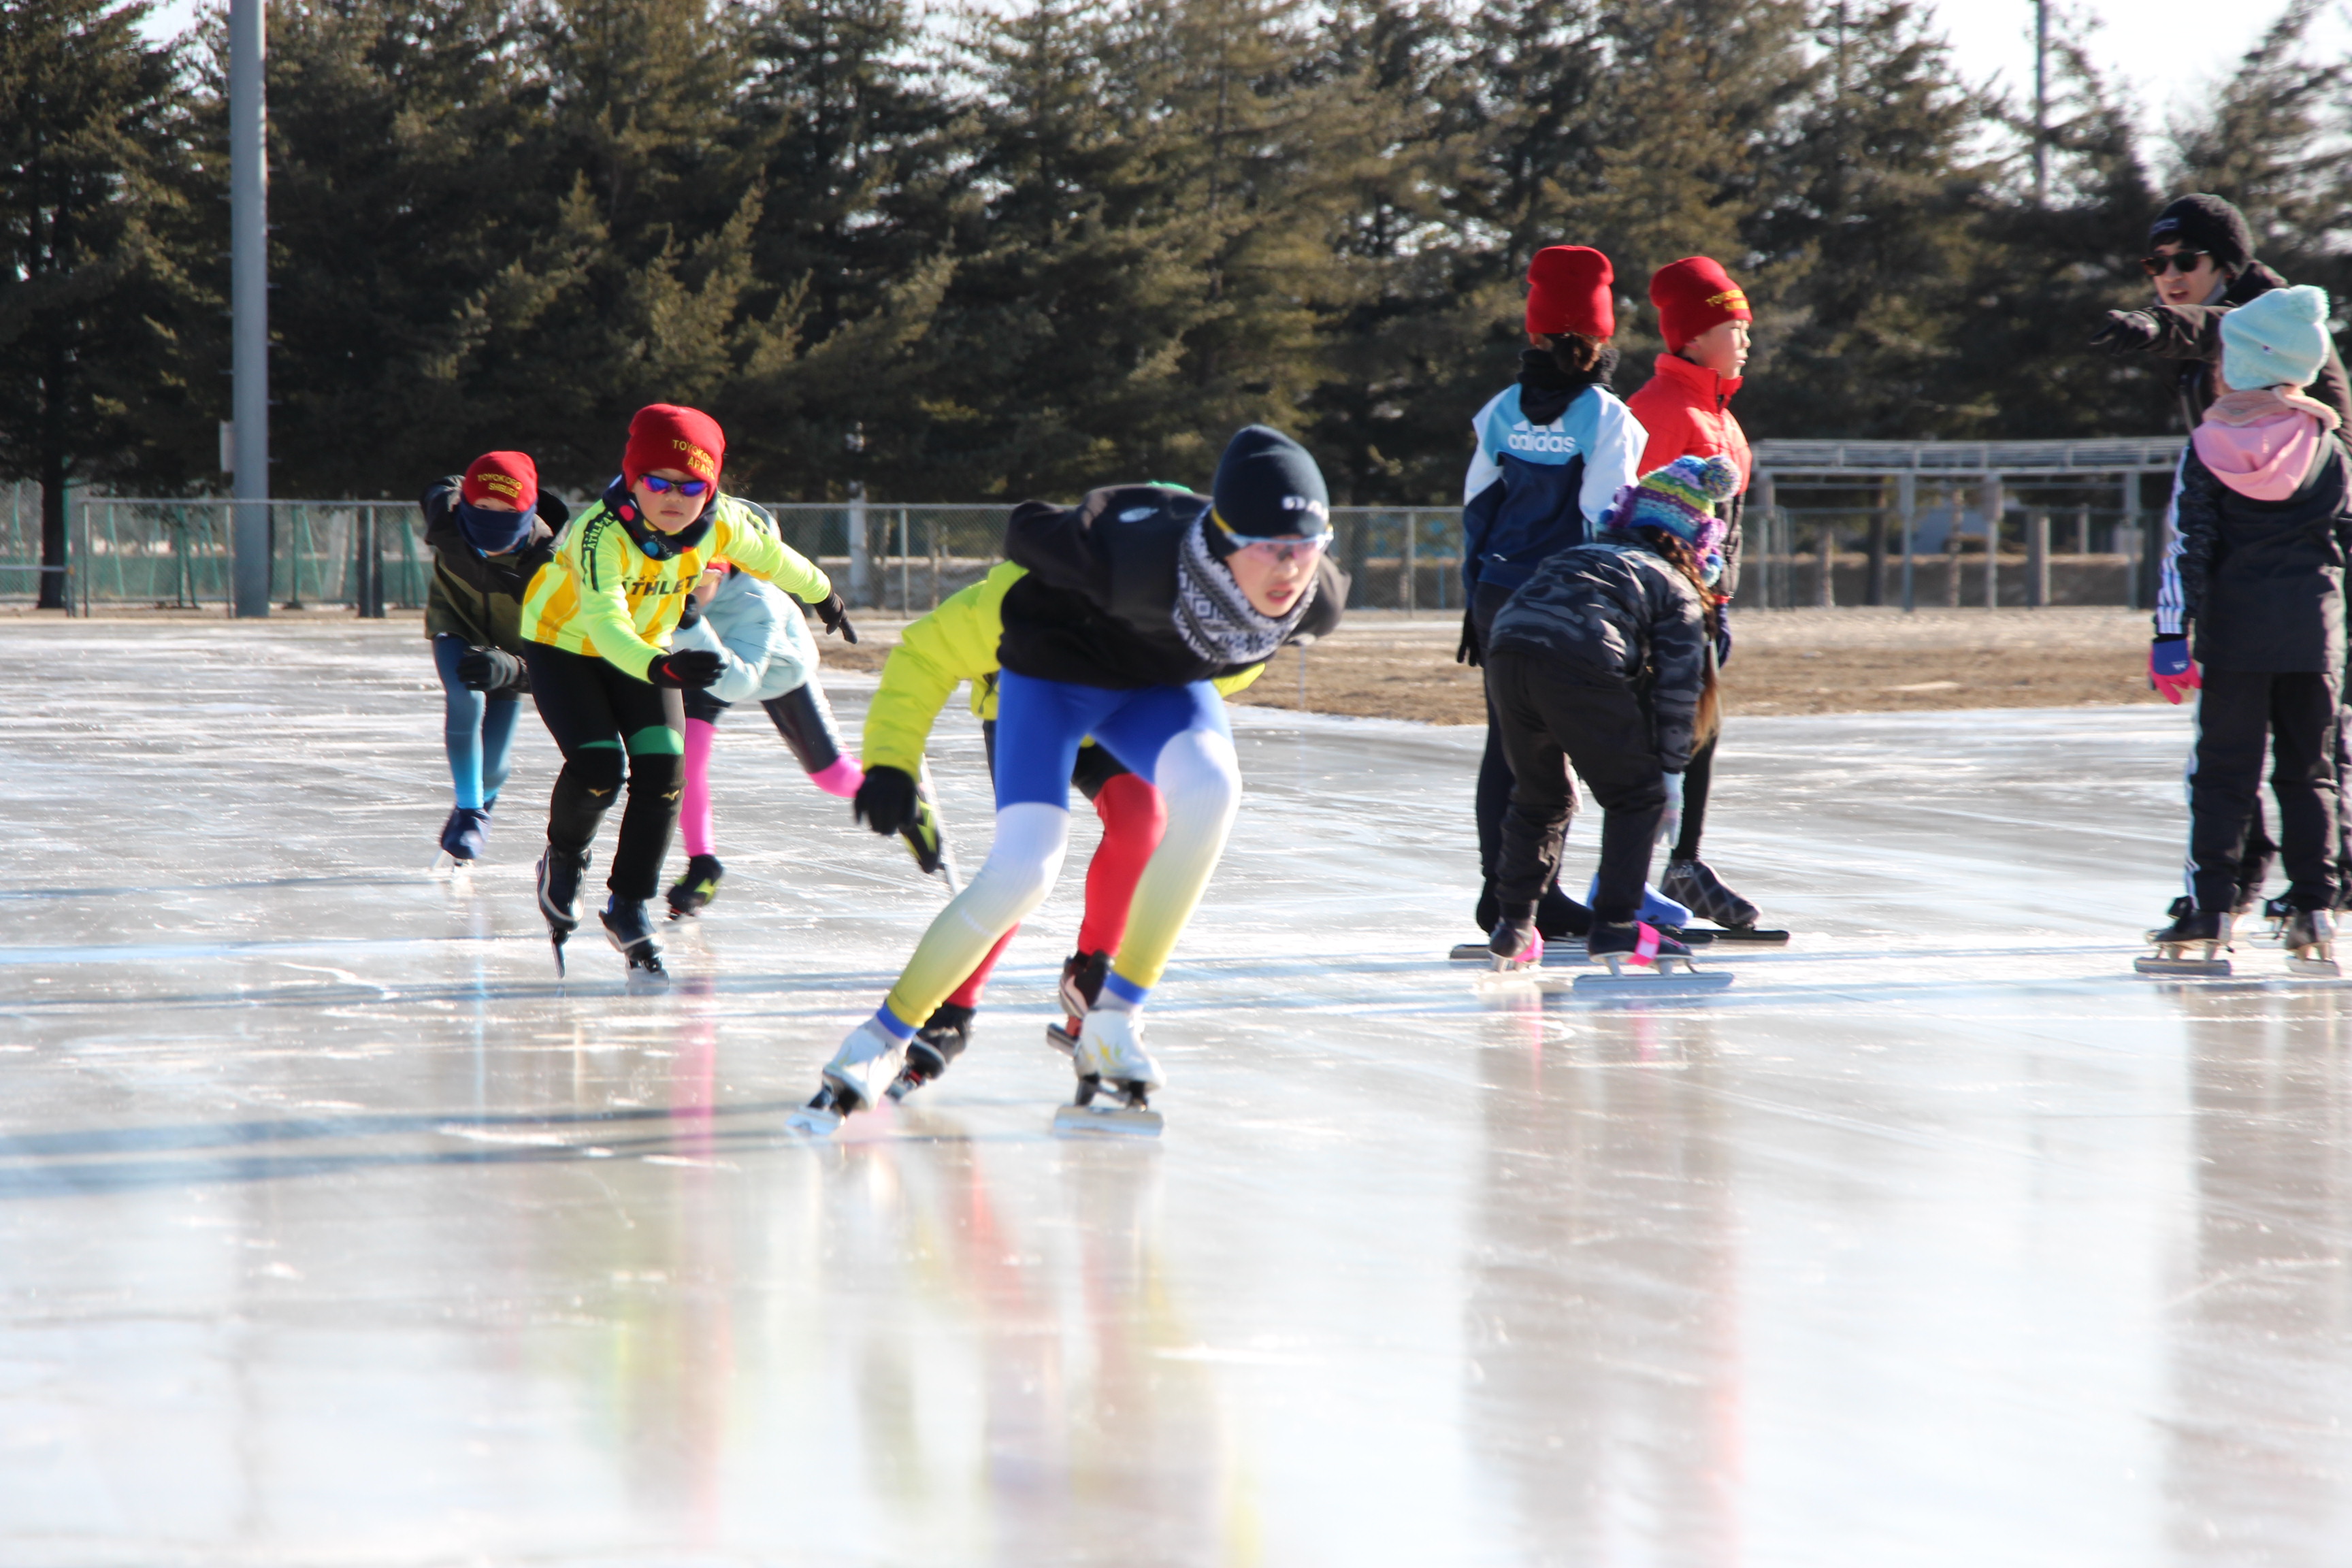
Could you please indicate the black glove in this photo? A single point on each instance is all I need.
(1469, 652)
(691, 614)
(835, 616)
(489, 669)
(2127, 331)
(1722, 636)
(887, 801)
(688, 669)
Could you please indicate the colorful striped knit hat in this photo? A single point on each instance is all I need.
(1679, 499)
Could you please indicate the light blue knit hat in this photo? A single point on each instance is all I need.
(2278, 339)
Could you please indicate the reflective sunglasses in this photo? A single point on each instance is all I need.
(1284, 551)
(688, 487)
(2181, 261)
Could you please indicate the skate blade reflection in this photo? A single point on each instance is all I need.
(811, 1122)
(1688, 984)
(1115, 1119)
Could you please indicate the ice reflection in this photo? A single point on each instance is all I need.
(1603, 1313)
(2258, 1445)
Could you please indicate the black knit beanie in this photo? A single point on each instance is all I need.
(2207, 224)
(1268, 487)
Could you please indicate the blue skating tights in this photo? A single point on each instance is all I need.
(477, 729)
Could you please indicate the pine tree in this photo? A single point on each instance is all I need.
(91, 153)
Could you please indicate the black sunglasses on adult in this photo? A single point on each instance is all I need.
(2185, 261)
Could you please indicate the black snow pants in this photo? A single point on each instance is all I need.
(2237, 711)
(610, 725)
(1548, 714)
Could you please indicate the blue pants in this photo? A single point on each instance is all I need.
(1039, 724)
(476, 728)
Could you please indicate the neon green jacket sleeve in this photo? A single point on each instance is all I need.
(746, 534)
(953, 644)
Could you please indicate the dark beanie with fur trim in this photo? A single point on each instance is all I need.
(2209, 224)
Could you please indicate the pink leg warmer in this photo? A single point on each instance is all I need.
(1133, 817)
(841, 777)
(694, 808)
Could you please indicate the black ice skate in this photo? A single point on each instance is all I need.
(1559, 918)
(935, 1045)
(629, 927)
(463, 837)
(692, 893)
(2206, 931)
(1517, 943)
(1082, 982)
(2309, 938)
(1694, 883)
(561, 872)
(1642, 959)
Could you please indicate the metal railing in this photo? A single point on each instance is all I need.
(1835, 546)
(173, 552)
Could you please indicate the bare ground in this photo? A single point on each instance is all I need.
(1384, 664)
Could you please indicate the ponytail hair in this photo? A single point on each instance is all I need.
(1680, 556)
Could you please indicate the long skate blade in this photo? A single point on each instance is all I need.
(1687, 983)
(2183, 968)
(1738, 933)
(2317, 968)
(1081, 1119)
(1566, 950)
(810, 1122)
(1062, 1038)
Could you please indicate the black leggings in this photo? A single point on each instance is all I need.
(2236, 712)
(1550, 713)
(1695, 780)
(610, 725)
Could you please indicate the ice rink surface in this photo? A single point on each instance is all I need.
(334, 1230)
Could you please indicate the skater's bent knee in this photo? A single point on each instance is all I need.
(1025, 858)
(1199, 769)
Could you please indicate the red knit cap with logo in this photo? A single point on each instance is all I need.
(1568, 292)
(510, 477)
(1692, 295)
(664, 436)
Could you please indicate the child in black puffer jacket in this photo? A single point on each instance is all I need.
(1605, 659)
(2265, 518)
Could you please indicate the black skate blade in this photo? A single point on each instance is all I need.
(1684, 983)
(1061, 1038)
(1080, 1121)
(2183, 968)
(1736, 934)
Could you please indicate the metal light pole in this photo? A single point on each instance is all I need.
(2041, 103)
(248, 226)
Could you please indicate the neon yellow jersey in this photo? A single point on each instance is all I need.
(955, 643)
(602, 596)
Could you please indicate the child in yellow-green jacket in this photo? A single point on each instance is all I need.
(596, 622)
(954, 644)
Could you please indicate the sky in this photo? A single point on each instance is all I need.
(2140, 45)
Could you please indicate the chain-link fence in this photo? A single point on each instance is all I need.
(174, 552)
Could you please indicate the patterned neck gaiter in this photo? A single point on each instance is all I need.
(1214, 617)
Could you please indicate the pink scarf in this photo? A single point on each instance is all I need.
(2261, 443)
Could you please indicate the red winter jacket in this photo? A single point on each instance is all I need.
(1686, 411)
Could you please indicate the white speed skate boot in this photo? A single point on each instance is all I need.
(1109, 1058)
(857, 1078)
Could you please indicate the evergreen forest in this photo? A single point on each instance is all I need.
(1032, 246)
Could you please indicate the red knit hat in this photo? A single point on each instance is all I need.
(1692, 295)
(663, 435)
(510, 477)
(1568, 292)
